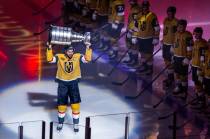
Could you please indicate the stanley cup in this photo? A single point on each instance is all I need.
(65, 36)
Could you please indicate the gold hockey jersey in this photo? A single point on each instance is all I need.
(206, 65)
(183, 44)
(131, 28)
(169, 30)
(148, 26)
(198, 46)
(68, 69)
(117, 9)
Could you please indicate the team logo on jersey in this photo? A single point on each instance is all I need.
(68, 66)
(142, 23)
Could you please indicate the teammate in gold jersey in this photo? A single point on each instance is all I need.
(132, 34)
(182, 55)
(148, 37)
(204, 76)
(199, 47)
(113, 30)
(169, 30)
(68, 74)
(116, 24)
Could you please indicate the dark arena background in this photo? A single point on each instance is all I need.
(117, 103)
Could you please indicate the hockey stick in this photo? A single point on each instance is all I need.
(44, 8)
(101, 27)
(126, 79)
(161, 101)
(115, 66)
(112, 44)
(149, 85)
(183, 106)
(94, 61)
(190, 102)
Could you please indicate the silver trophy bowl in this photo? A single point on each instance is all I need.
(65, 36)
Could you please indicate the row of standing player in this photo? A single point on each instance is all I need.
(178, 47)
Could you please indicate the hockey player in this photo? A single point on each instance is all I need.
(149, 30)
(68, 74)
(199, 47)
(182, 56)
(169, 30)
(113, 30)
(132, 33)
(204, 75)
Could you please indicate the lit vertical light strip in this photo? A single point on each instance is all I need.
(39, 58)
(39, 52)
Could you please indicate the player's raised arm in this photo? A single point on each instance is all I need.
(49, 54)
(88, 53)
